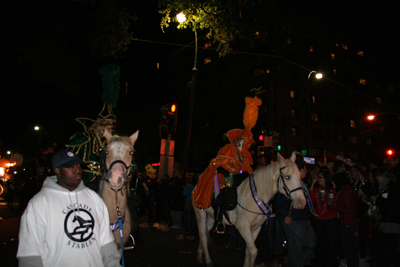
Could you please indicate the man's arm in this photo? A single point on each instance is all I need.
(110, 255)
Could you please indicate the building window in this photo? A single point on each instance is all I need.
(314, 99)
(369, 141)
(361, 53)
(334, 72)
(379, 100)
(339, 137)
(207, 60)
(207, 45)
(363, 81)
(268, 71)
(352, 124)
(295, 131)
(344, 46)
(311, 48)
(292, 93)
(333, 56)
(189, 84)
(353, 139)
(288, 40)
(314, 116)
(293, 112)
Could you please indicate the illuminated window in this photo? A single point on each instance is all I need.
(292, 94)
(361, 53)
(334, 72)
(378, 100)
(293, 112)
(314, 116)
(352, 124)
(363, 81)
(288, 40)
(369, 141)
(295, 131)
(207, 45)
(189, 83)
(268, 71)
(207, 60)
(353, 139)
(311, 48)
(332, 56)
(313, 99)
(344, 46)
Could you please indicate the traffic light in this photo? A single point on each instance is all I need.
(163, 121)
(172, 117)
(275, 141)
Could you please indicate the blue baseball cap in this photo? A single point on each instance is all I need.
(65, 159)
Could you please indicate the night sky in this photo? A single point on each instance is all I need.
(50, 78)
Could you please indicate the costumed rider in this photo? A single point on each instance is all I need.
(228, 169)
(89, 144)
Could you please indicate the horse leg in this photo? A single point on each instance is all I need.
(249, 235)
(203, 225)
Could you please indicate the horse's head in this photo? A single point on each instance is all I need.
(119, 162)
(289, 182)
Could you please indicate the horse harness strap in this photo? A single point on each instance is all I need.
(265, 209)
(285, 187)
(114, 226)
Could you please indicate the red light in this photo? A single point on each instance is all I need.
(389, 152)
(261, 137)
(173, 108)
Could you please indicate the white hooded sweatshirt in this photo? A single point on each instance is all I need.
(66, 228)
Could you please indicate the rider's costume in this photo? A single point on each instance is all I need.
(229, 157)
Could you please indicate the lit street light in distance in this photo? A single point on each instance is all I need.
(36, 128)
(181, 17)
(371, 117)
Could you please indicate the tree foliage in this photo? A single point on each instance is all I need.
(225, 20)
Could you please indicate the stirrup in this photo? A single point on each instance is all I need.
(130, 246)
(220, 230)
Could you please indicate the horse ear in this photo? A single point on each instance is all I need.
(107, 135)
(280, 158)
(293, 157)
(134, 137)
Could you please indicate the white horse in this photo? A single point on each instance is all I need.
(247, 217)
(114, 187)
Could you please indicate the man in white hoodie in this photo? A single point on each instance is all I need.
(66, 223)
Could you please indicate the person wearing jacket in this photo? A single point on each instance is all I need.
(66, 223)
(346, 206)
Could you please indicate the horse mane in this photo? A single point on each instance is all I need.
(265, 179)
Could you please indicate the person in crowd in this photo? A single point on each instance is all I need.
(189, 216)
(66, 223)
(296, 226)
(387, 202)
(177, 201)
(326, 221)
(261, 161)
(339, 167)
(357, 177)
(367, 224)
(346, 206)
(151, 184)
(10, 192)
(165, 197)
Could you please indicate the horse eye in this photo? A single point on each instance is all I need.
(287, 177)
(106, 152)
(131, 153)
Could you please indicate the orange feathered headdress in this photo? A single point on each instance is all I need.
(250, 115)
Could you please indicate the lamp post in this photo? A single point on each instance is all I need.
(181, 18)
(317, 76)
(371, 117)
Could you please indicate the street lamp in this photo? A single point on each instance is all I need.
(36, 128)
(181, 18)
(317, 76)
(372, 116)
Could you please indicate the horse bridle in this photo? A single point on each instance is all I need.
(130, 170)
(284, 185)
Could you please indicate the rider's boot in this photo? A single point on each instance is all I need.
(220, 226)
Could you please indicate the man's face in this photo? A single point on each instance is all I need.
(69, 178)
(354, 173)
(239, 143)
